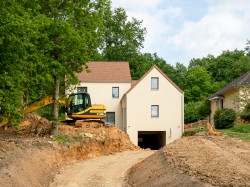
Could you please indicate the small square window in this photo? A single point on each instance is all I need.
(115, 92)
(154, 110)
(81, 89)
(110, 118)
(154, 83)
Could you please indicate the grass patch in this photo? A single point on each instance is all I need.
(67, 139)
(193, 131)
(232, 133)
(241, 127)
(189, 133)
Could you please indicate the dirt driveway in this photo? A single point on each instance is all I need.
(100, 171)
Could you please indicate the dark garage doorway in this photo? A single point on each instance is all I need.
(152, 139)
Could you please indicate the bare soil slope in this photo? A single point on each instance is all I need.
(208, 160)
(30, 157)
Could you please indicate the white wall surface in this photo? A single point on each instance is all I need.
(101, 93)
(139, 101)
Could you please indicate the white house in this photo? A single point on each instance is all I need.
(150, 110)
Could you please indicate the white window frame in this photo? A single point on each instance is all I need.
(153, 86)
(154, 114)
(113, 93)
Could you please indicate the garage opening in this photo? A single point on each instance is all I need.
(152, 139)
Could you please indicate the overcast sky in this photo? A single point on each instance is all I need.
(179, 30)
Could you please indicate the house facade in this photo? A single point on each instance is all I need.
(106, 83)
(153, 110)
(150, 110)
(231, 96)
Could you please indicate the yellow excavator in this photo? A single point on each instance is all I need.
(77, 106)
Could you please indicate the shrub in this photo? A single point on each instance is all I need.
(195, 111)
(241, 126)
(224, 118)
(246, 113)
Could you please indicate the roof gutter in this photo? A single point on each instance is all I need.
(216, 98)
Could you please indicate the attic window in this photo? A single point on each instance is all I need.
(115, 92)
(154, 83)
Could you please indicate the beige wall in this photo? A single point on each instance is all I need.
(213, 105)
(101, 93)
(228, 102)
(138, 108)
(244, 97)
(229, 99)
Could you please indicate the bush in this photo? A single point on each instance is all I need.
(246, 113)
(241, 127)
(195, 111)
(224, 118)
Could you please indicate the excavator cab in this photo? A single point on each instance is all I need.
(78, 102)
(79, 107)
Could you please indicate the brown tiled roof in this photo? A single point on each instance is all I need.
(241, 81)
(106, 72)
(164, 75)
(134, 82)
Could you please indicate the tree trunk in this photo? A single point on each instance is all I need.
(54, 130)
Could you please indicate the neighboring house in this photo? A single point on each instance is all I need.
(231, 95)
(150, 110)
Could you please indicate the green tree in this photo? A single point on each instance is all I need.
(179, 76)
(122, 38)
(197, 84)
(70, 32)
(18, 29)
(195, 111)
(43, 41)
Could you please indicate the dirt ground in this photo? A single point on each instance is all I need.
(100, 171)
(196, 161)
(30, 157)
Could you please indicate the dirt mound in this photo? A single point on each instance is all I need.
(218, 160)
(29, 156)
(35, 125)
(156, 170)
(112, 138)
(196, 161)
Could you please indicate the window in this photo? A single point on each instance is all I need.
(219, 104)
(154, 110)
(81, 89)
(110, 118)
(78, 103)
(115, 92)
(154, 83)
